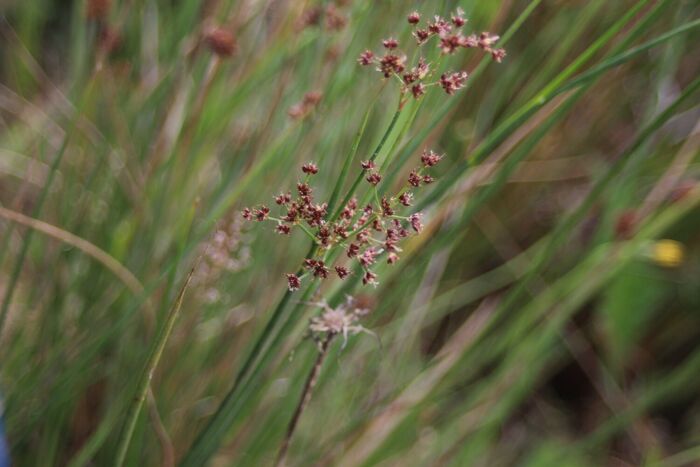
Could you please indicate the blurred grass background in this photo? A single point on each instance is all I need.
(548, 315)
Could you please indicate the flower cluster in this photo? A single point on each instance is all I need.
(449, 38)
(366, 233)
(342, 320)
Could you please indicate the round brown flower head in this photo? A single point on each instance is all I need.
(452, 82)
(374, 178)
(366, 58)
(414, 219)
(367, 165)
(310, 168)
(293, 282)
(390, 43)
(220, 41)
(413, 18)
(342, 272)
(430, 158)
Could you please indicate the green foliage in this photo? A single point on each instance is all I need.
(525, 326)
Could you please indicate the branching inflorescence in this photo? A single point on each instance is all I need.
(416, 80)
(364, 232)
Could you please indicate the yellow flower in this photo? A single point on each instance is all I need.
(668, 253)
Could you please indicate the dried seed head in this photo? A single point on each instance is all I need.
(221, 42)
(413, 18)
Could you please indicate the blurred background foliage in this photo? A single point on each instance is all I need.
(548, 315)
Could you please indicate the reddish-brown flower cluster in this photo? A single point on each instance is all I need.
(449, 39)
(364, 233)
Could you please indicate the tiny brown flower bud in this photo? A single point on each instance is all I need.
(405, 198)
(414, 179)
(370, 278)
(283, 198)
(374, 178)
(457, 19)
(293, 282)
(421, 35)
(221, 42)
(417, 90)
(430, 158)
(366, 58)
(353, 250)
(342, 272)
(392, 258)
(413, 18)
(390, 43)
(386, 207)
(304, 189)
(428, 179)
(452, 82)
(283, 229)
(367, 165)
(414, 219)
(261, 213)
(320, 270)
(310, 168)
(498, 55)
(247, 214)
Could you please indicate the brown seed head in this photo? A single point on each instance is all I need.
(221, 42)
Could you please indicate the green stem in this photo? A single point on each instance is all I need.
(147, 374)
